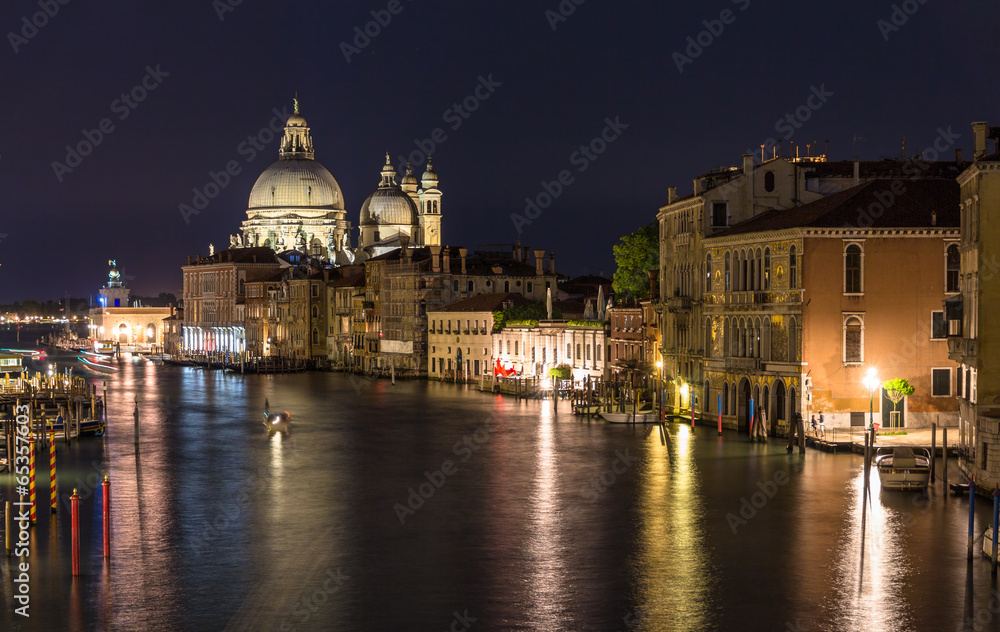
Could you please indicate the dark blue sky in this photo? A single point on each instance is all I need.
(557, 88)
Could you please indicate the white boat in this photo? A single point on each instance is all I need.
(631, 418)
(988, 542)
(903, 468)
(278, 422)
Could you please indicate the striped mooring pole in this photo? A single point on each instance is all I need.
(53, 492)
(107, 516)
(75, 531)
(31, 476)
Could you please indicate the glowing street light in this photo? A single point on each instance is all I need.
(871, 383)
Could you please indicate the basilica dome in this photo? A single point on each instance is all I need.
(292, 183)
(389, 206)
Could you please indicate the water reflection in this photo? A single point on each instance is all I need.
(872, 565)
(546, 555)
(673, 574)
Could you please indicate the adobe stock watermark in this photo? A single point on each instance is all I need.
(123, 106)
(697, 44)
(453, 117)
(222, 7)
(599, 485)
(898, 17)
(461, 619)
(562, 12)
(582, 159)
(425, 490)
(306, 607)
(366, 34)
(757, 501)
(248, 149)
(38, 20)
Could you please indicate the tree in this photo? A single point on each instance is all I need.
(635, 254)
(896, 389)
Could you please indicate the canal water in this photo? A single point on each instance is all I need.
(427, 506)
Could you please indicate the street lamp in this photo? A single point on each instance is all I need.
(659, 393)
(871, 383)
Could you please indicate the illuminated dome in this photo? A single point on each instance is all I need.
(291, 183)
(389, 206)
(296, 203)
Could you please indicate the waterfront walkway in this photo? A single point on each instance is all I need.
(853, 439)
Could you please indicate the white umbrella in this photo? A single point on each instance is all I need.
(548, 302)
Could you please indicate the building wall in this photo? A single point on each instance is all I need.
(903, 282)
(470, 331)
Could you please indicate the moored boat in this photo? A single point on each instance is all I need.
(903, 468)
(648, 417)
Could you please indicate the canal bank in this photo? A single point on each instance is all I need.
(553, 521)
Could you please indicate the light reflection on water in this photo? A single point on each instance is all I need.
(218, 526)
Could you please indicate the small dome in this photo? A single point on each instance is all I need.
(296, 184)
(389, 206)
(296, 120)
(408, 177)
(430, 179)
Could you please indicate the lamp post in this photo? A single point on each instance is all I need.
(871, 383)
(659, 394)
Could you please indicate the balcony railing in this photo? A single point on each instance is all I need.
(960, 349)
(683, 240)
(742, 364)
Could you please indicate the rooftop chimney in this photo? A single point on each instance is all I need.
(189, 259)
(435, 258)
(463, 252)
(671, 195)
(539, 255)
(748, 164)
(446, 259)
(654, 285)
(958, 155)
(748, 182)
(978, 140)
(552, 262)
(857, 172)
(517, 251)
(697, 186)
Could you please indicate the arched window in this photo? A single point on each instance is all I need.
(727, 338)
(767, 268)
(854, 350)
(752, 274)
(708, 273)
(953, 267)
(852, 269)
(706, 403)
(766, 340)
(759, 282)
(743, 339)
(725, 398)
(779, 400)
(728, 283)
(793, 267)
(315, 311)
(769, 181)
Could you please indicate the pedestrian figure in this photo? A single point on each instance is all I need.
(822, 426)
(812, 422)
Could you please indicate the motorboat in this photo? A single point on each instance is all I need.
(276, 422)
(903, 468)
(586, 409)
(648, 417)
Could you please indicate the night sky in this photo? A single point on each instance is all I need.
(216, 81)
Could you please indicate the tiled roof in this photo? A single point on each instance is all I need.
(883, 203)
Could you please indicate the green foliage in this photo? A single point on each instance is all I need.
(635, 254)
(896, 389)
(585, 323)
(522, 322)
(522, 315)
(561, 372)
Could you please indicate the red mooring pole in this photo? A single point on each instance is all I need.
(107, 517)
(75, 510)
